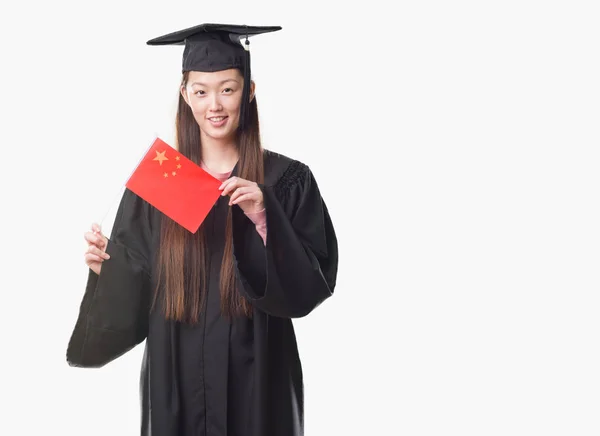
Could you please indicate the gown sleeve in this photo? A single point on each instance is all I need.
(295, 271)
(113, 314)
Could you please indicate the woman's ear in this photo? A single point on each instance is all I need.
(252, 89)
(184, 94)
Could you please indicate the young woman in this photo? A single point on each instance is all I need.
(214, 307)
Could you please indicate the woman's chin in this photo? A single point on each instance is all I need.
(218, 133)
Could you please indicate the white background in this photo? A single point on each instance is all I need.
(455, 143)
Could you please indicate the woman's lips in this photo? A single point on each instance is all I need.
(217, 121)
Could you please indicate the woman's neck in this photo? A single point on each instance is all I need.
(219, 155)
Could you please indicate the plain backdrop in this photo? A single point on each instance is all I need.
(456, 146)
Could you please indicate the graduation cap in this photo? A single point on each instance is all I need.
(217, 47)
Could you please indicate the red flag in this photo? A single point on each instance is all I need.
(175, 185)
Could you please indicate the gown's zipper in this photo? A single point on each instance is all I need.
(205, 311)
(203, 364)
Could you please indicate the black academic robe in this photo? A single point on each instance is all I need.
(220, 377)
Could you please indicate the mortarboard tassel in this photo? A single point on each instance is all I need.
(244, 111)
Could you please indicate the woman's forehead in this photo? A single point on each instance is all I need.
(216, 77)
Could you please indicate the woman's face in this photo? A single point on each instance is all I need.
(215, 100)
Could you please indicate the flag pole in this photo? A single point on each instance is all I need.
(120, 192)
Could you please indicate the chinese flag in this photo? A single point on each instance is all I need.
(175, 185)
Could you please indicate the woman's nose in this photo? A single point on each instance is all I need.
(215, 104)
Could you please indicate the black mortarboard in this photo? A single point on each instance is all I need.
(216, 47)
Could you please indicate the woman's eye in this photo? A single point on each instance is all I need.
(228, 90)
(199, 92)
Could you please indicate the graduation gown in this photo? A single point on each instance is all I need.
(222, 376)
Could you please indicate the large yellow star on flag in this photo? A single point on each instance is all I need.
(160, 157)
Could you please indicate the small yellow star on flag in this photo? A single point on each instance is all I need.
(178, 165)
(176, 157)
(174, 173)
(160, 157)
(166, 175)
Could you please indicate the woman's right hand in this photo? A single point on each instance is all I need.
(96, 252)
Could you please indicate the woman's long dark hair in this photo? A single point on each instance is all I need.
(183, 258)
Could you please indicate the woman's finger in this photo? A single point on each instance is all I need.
(245, 197)
(94, 239)
(234, 182)
(89, 258)
(229, 185)
(95, 250)
(254, 196)
(250, 193)
(239, 191)
(227, 182)
(90, 238)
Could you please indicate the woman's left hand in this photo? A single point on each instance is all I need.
(246, 194)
